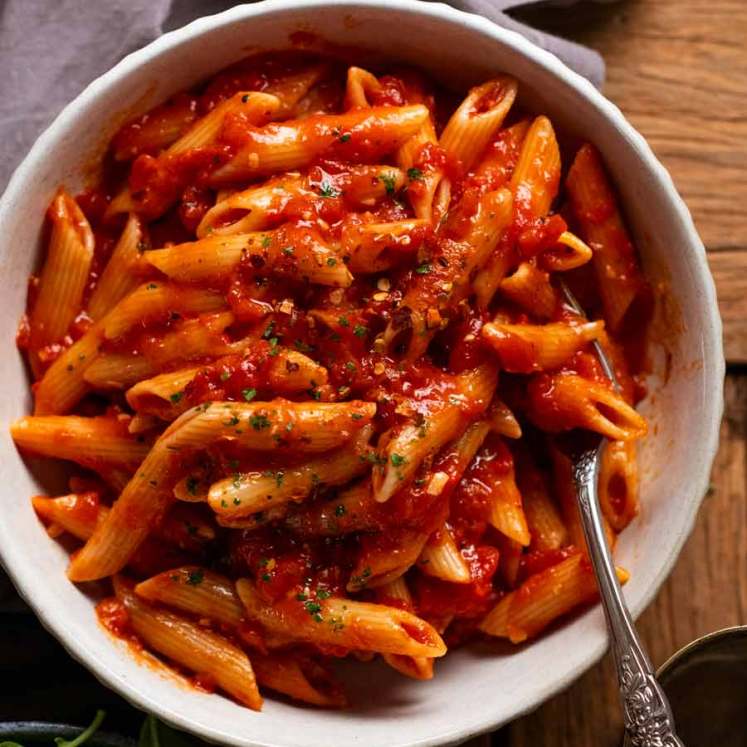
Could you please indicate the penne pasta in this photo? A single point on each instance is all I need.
(216, 257)
(523, 348)
(63, 278)
(416, 667)
(316, 379)
(441, 558)
(120, 275)
(614, 261)
(197, 649)
(344, 622)
(91, 442)
(543, 598)
(247, 493)
(577, 402)
(477, 119)
(295, 144)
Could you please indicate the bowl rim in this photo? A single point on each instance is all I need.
(712, 352)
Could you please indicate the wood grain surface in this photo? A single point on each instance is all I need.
(678, 70)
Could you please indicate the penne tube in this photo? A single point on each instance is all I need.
(297, 143)
(524, 348)
(503, 421)
(406, 449)
(196, 648)
(569, 253)
(64, 275)
(493, 273)
(144, 499)
(536, 177)
(252, 209)
(374, 247)
(477, 119)
(359, 86)
(618, 484)
(290, 89)
(428, 191)
(545, 523)
(416, 667)
(254, 107)
(216, 257)
(117, 370)
(155, 300)
(76, 513)
(595, 206)
(506, 508)
(352, 509)
(288, 372)
(156, 130)
(308, 427)
(299, 677)
(563, 401)
(63, 385)
(386, 558)
(438, 286)
(360, 626)
(246, 493)
(543, 598)
(162, 395)
(530, 289)
(441, 558)
(91, 442)
(120, 275)
(499, 160)
(197, 591)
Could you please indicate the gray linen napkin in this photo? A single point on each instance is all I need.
(51, 49)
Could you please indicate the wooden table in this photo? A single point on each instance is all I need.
(678, 70)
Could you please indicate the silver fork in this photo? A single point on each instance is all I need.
(646, 711)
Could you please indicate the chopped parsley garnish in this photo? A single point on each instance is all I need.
(350, 365)
(327, 190)
(268, 333)
(191, 485)
(389, 182)
(315, 394)
(423, 269)
(301, 346)
(359, 330)
(288, 251)
(344, 138)
(225, 375)
(233, 421)
(274, 346)
(362, 580)
(266, 241)
(331, 262)
(398, 460)
(343, 321)
(259, 422)
(176, 397)
(323, 594)
(340, 510)
(151, 286)
(248, 394)
(195, 577)
(414, 175)
(357, 416)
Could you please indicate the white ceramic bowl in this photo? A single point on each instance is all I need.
(475, 689)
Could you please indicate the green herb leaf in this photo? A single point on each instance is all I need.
(195, 577)
(389, 182)
(85, 735)
(423, 269)
(414, 175)
(248, 394)
(359, 330)
(398, 460)
(176, 397)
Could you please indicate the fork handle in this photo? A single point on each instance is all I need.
(646, 710)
